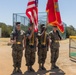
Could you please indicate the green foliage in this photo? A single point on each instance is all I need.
(49, 28)
(24, 27)
(70, 31)
(6, 29)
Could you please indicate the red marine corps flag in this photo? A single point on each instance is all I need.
(32, 12)
(53, 14)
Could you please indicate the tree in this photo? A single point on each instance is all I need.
(70, 31)
(6, 29)
(24, 27)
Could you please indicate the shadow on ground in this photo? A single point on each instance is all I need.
(44, 72)
(57, 72)
(17, 74)
(39, 72)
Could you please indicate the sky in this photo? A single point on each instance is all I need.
(8, 7)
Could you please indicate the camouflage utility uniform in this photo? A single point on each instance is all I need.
(55, 37)
(30, 51)
(17, 48)
(42, 50)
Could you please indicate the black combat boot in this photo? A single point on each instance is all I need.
(40, 67)
(43, 68)
(28, 68)
(19, 70)
(31, 69)
(52, 66)
(14, 71)
(55, 66)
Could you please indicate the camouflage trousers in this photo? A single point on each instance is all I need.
(30, 56)
(54, 54)
(42, 54)
(17, 57)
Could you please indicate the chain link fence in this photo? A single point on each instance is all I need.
(42, 19)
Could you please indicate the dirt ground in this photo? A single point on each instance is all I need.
(67, 66)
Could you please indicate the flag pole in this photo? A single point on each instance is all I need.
(47, 20)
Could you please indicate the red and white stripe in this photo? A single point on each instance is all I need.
(32, 13)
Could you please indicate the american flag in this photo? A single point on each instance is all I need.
(32, 12)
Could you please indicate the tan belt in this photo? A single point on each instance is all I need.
(43, 43)
(31, 44)
(56, 41)
(18, 43)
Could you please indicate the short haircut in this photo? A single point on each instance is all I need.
(42, 25)
(17, 23)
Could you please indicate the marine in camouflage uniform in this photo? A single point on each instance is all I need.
(54, 37)
(17, 38)
(42, 47)
(30, 48)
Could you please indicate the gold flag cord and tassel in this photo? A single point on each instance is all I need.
(32, 40)
(43, 41)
